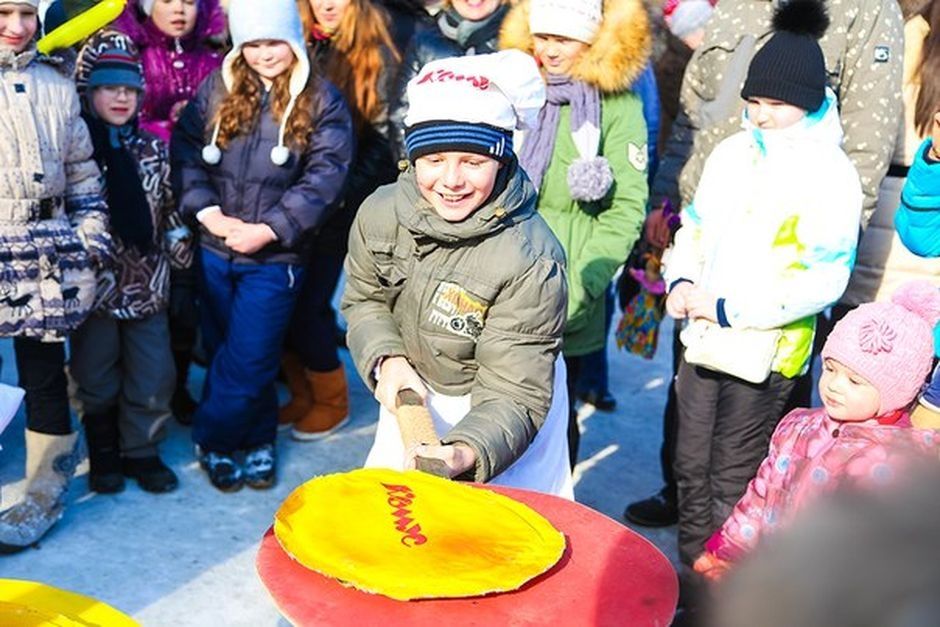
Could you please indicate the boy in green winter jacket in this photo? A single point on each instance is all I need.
(588, 154)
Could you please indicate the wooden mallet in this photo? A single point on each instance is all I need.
(417, 427)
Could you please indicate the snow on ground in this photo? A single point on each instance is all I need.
(187, 558)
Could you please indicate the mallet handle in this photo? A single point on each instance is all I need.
(417, 427)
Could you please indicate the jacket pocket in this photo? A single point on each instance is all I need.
(453, 357)
(390, 272)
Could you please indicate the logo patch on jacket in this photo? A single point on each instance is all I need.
(638, 156)
(882, 54)
(454, 309)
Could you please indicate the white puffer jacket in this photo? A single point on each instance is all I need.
(773, 229)
(53, 220)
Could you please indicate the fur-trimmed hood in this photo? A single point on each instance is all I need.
(616, 58)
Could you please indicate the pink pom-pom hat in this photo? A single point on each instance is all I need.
(891, 344)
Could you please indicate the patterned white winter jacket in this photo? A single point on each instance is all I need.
(772, 230)
(53, 221)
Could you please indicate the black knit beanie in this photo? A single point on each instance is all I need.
(791, 67)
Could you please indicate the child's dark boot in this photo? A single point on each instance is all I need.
(260, 467)
(151, 474)
(104, 452)
(223, 470)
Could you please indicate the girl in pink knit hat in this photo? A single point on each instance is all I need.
(874, 364)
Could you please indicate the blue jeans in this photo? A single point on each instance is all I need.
(245, 312)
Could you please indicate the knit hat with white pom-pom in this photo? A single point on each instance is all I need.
(891, 344)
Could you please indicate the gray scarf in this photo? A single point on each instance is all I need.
(539, 143)
(473, 36)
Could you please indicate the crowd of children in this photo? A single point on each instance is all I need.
(188, 182)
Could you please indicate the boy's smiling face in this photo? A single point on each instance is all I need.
(18, 25)
(771, 114)
(456, 183)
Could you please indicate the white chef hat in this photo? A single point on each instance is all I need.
(473, 104)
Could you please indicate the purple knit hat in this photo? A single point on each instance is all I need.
(891, 344)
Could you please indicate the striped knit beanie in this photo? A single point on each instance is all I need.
(791, 67)
(473, 104)
(116, 66)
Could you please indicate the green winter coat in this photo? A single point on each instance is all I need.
(597, 237)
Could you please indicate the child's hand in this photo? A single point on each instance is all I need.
(219, 224)
(656, 228)
(677, 303)
(249, 238)
(459, 458)
(701, 304)
(711, 567)
(395, 375)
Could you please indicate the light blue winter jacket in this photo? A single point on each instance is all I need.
(918, 218)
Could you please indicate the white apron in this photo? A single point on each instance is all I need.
(543, 467)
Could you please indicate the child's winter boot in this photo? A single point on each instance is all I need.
(104, 452)
(50, 464)
(330, 405)
(301, 397)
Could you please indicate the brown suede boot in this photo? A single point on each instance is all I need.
(301, 396)
(330, 405)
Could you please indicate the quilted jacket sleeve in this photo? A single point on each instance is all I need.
(191, 182)
(310, 201)
(918, 218)
(373, 332)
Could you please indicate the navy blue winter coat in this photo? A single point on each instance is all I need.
(294, 199)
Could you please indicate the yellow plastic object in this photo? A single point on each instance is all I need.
(411, 535)
(33, 604)
(81, 26)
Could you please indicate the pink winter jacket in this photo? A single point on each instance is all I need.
(810, 455)
(173, 68)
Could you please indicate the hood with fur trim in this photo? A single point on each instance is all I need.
(618, 55)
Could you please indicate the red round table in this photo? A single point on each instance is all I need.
(608, 575)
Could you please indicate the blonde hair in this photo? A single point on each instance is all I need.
(353, 61)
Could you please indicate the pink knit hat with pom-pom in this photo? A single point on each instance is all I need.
(891, 344)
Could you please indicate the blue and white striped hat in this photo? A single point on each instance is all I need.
(473, 104)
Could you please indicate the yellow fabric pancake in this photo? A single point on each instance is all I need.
(32, 604)
(410, 535)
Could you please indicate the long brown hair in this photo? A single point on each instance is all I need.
(354, 60)
(928, 98)
(241, 108)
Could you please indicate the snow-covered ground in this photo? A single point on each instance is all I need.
(187, 558)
